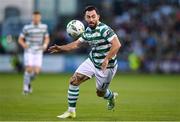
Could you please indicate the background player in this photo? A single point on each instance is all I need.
(34, 39)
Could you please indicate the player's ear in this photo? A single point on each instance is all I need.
(40, 17)
(84, 14)
(85, 18)
(98, 16)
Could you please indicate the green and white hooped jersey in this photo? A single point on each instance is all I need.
(99, 39)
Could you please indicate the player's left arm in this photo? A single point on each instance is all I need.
(46, 42)
(115, 45)
(46, 39)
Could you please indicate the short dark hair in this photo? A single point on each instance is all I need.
(91, 8)
(36, 13)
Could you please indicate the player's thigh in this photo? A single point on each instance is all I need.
(86, 68)
(103, 79)
(84, 72)
(78, 78)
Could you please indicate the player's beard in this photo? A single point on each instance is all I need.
(92, 25)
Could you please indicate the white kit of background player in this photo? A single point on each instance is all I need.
(34, 39)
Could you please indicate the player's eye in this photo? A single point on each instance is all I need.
(93, 16)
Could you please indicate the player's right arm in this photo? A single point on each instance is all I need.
(21, 39)
(68, 47)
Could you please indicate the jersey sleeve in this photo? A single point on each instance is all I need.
(46, 32)
(24, 32)
(83, 37)
(108, 34)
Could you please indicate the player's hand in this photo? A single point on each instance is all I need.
(44, 47)
(25, 46)
(54, 49)
(104, 64)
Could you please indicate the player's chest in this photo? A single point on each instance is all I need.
(92, 35)
(36, 32)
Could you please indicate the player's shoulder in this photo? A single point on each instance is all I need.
(43, 25)
(28, 26)
(103, 26)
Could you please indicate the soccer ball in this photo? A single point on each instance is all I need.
(75, 28)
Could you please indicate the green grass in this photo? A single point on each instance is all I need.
(141, 97)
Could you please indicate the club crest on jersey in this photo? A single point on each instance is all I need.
(107, 32)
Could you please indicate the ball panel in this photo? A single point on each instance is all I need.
(75, 28)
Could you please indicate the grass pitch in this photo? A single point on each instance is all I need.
(141, 97)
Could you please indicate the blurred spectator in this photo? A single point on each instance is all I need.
(16, 63)
(11, 28)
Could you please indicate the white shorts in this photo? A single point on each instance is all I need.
(103, 79)
(33, 59)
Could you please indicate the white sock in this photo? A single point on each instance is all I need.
(71, 109)
(26, 87)
(27, 80)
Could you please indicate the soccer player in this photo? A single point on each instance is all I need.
(102, 62)
(34, 39)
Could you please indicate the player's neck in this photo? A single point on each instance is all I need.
(34, 23)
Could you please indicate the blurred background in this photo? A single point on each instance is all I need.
(149, 31)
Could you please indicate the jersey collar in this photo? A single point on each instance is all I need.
(35, 25)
